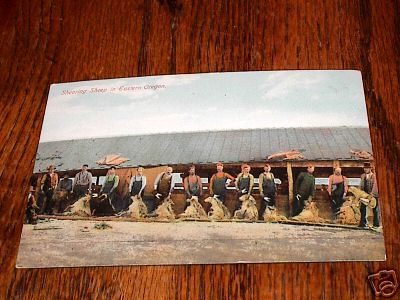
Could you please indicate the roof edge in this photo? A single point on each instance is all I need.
(203, 131)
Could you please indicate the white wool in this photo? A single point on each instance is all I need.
(79, 208)
(164, 211)
(349, 212)
(218, 210)
(271, 215)
(137, 209)
(309, 214)
(248, 210)
(194, 210)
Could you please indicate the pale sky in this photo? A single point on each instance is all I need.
(208, 101)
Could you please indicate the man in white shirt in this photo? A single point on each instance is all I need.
(137, 183)
(82, 183)
(163, 186)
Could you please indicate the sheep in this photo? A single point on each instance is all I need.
(271, 215)
(164, 211)
(349, 213)
(137, 210)
(194, 210)
(218, 210)
(79, 208)
(363, 197)
(248, 210)
(101, 206)
(309, 214)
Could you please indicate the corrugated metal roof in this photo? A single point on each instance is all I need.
(244, 145)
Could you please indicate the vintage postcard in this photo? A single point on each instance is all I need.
(244, 167)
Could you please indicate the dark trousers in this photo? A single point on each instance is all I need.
(133, 193)
(112, 199)
(128, 201)
(190, 194)
(337, 202)
(222, 195)
(80, 191)
(298, 204)
(31, 216)
(57, 206)
(48, 196)
(160, 200)
(238, 202)
(264, 204)
(375, 211)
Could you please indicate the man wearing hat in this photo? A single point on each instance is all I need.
(65, 184)
(304, 188)
(110, 185)
(62, 194)
(31, 216)
(369, 185)
(267, 186)
(48, 184)
(219, 182)
(82, 183)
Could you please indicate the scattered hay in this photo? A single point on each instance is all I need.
(102, 226)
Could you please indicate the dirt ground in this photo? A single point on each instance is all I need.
(68, 243)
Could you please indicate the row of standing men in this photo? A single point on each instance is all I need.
(164, 184)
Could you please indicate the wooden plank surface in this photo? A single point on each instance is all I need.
(44, 42)
(172, 243)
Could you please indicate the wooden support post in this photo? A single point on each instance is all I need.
(290, 185)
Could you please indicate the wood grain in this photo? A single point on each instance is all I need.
(44, 42)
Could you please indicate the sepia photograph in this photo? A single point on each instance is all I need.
(237, 167)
